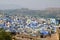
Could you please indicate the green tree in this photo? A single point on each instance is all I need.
(5, 35)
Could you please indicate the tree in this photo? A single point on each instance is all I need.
(5, 35)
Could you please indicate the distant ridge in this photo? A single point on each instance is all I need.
(49, 12)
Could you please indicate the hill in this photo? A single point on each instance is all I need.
(49, 12)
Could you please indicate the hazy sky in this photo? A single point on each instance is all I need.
(31, 4)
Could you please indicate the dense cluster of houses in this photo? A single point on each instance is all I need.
(28, 25)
